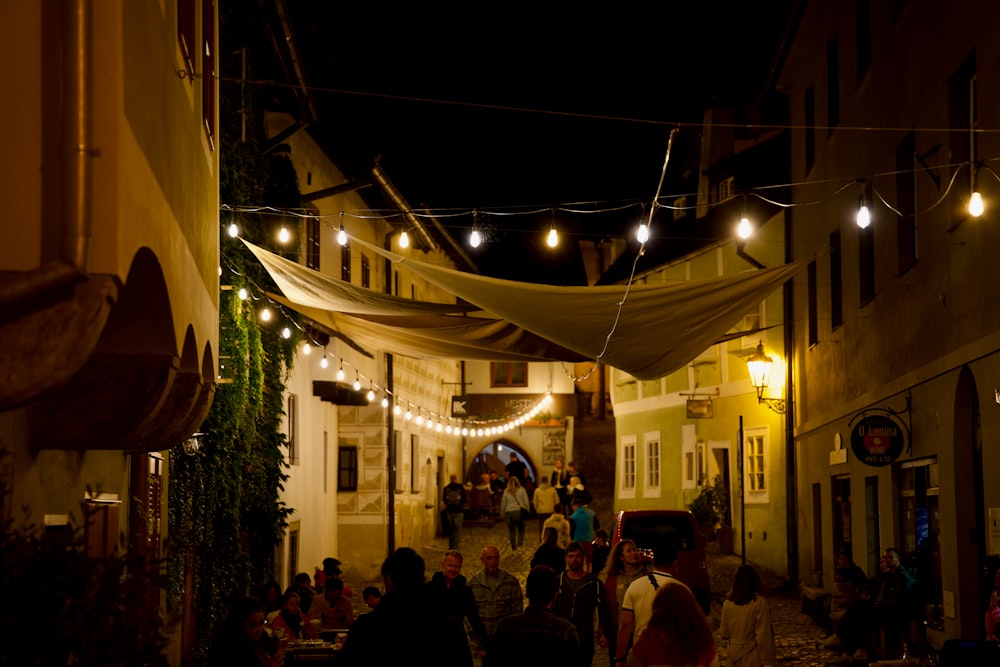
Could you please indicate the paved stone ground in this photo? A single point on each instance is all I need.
(796, 635)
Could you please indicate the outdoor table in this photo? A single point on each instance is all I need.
(311, 651)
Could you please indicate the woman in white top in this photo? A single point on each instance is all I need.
(513, 501)
(746, 621)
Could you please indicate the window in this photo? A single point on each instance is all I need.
(813, 322)
(312, 243)
(186, 32)
(626, 487)
(347, 468)
(294, 530)
(920, 528)
(680, 208)
(755, 465)
(509, 374)
(208, 69)
(810, 128)
(866, 264)
(366, 272)
(836, 282)
(906, 203)
(689, 461)
(652, 476)
(414, 464)
(345, 262)
(399, 454)
(863, 30)
(293, 429)
(832, 85)
(725, 189)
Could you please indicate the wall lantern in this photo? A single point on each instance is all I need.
(759, 366)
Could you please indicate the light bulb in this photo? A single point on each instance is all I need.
(475, 238)
(340, 371)
(385, 401)
(553, 238)
(234, 231)
(465, 430)
(976, 205)
(243, 294)
(323, 363)
(283, 235)
(404, 240)
(286, 333)
(643, 233)
(371, 395)
(408, 415)
(743, 230)
(420, 419)
(438, 427)
(357, 383)
(342, 236)
(307, 349)
(265, 315)
(864, 217)
(396, 409)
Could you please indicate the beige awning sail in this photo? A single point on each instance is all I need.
(661, 328)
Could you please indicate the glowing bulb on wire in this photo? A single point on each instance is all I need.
(284, 235)
(286, 333)
(323, 363)
(864, 216)
(642, 234)
(265, 315)
(404, 240)
(357, 382)
(744, 229)
(307, 349)
(243, 294)
(340, 371)
(385, 402)
(371, 394)
(976, 207)
(234, 231)
(553, 238)
(475, 238)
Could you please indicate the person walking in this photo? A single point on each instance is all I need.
(626, 566)
(497, 592)
(549, 552)
(454, 511)
(637, 606)
(560, 481)
(677, 633)
(409, 626)
(537, 637)
(513, 504)
(560, 524)
(545, 499)
(449, 587)
(746, 621)
(580, 599)
(582, 522)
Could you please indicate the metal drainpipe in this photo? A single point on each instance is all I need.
(37, 288)
(791, 486)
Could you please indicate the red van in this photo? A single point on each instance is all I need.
(647, 527)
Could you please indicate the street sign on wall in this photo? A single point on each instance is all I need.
(878, 440)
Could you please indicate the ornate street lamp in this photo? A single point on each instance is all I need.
(759, 366)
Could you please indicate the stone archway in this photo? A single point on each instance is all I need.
(495, 455)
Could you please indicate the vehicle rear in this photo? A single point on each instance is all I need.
(647, 528)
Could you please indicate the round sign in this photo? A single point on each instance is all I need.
(877, 440)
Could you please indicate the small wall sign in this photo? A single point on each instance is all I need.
(877, 440)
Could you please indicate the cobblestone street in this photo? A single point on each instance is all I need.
(797, 637)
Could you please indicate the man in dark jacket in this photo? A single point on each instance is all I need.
(581, 593)
(408, 627)
(454, 501)
(448, 587)
(536, 637)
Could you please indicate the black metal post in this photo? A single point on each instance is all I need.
(743, 505)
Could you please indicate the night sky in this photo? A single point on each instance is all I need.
(507, 110)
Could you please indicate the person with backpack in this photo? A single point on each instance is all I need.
(454, 511)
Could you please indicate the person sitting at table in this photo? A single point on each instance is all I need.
(241, 639)
(332, 608)
(291, 620)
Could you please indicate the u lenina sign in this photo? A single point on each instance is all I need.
(877, 440)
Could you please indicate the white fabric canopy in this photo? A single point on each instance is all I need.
(662, 327)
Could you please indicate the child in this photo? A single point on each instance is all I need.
(599, 557)
(371, 596)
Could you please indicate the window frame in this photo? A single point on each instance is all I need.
(627, 471)
(502, 373)
(653, 475)
(756, 466)
(347, 467)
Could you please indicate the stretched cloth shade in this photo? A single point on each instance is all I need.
(662, 327)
